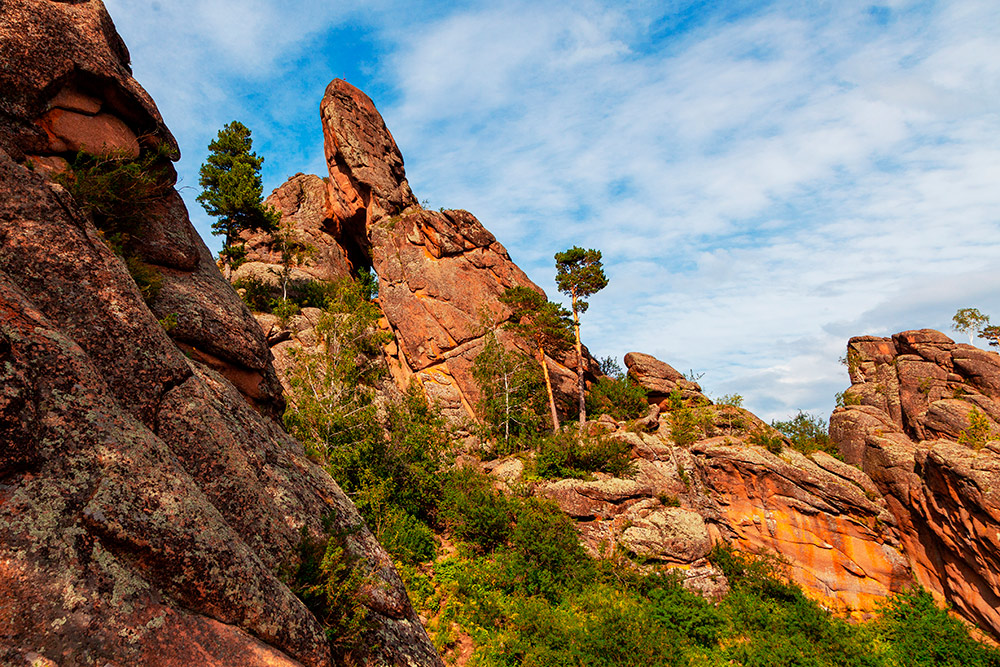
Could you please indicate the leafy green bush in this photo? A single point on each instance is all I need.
(807, 434)
(566, 454)
(770, 442)
(915, 632)
(620, 398)
(327, 579)
(117, 191)
(256, 293)
(978, 432)
(285, 310)
(474, 511)
(546, 554)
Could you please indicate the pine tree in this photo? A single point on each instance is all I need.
(579, 274)
(232, 191)
(543, 324)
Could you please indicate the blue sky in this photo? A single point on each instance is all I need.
(765, 179)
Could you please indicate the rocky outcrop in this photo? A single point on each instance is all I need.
(659, 379)
(147, 497)
(912, 396)
(440, 273)
(824, 519)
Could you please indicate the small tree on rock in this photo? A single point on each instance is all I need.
(544, 325)
(971, 321)
(579, 274)
(232, 191)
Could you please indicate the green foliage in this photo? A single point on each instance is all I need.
(845, 398)
(807, 433)
(293, 252)
(579, 274)
(978, 432)
(512, 395)
(915, 632)
(619, 397)
(169, 323)
(732, 400)
(256, 293)
(769, 441)
(542, 323)
(688, 423)
(609, 366)
(567, 455)
(546, 556)
(969, 321)
(326, 578)
(117, 192)
(474, 511)
(232, 189)
(285, 310)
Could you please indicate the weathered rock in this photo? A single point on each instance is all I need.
(837, 536)
(145, 506)
(941, 493)
(659, 379)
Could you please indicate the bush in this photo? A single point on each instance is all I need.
(978, 432)
(772, 443)
(327, 580)
(474, 511)
(917, 633)
(117, 192)
(620, 398)
(565, 454)
(256, 293)
(547, 558)
(807, 434)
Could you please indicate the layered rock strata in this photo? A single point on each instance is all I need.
(147, 497)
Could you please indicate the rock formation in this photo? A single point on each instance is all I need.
(912, 397)
(822, 517)
(440, 273)
(147, 497)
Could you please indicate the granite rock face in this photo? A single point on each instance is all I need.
(147, 496)
(912, 397)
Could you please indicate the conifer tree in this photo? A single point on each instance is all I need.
(544, 325)
(579, 274)
(232, 191)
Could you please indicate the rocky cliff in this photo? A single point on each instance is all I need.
(921, 421)
(440, 273)
(147, 496)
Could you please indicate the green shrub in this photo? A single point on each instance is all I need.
(328, 580)
(117, 191)
(978, 433)
(257, 294)
(285, 310)
(474, 511)
(915, 632)
(547, 557)
(620, 398)
(770, 442)
(566, 454)
(807, 434)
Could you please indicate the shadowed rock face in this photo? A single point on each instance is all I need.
(916, 391)
(147, 497)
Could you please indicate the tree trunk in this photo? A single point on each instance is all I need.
(581, 386)
(548, 388)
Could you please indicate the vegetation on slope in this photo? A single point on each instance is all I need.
(502, 578)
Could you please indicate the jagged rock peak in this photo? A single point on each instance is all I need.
(366, 167)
